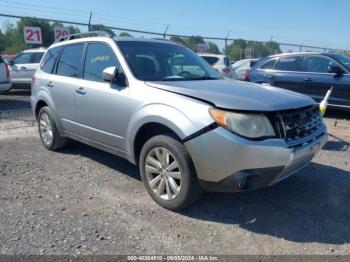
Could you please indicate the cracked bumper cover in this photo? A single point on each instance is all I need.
(222, 159)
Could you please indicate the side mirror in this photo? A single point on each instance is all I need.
(110, 74)
(335, 69)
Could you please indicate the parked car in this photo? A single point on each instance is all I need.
(8, 57)
(187, 131)
(5, 83)
(241, 67)
(23, 66)
(220, 63)
(308, 73)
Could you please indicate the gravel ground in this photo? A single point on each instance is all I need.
(84, 201)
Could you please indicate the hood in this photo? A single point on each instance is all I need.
(230, 94)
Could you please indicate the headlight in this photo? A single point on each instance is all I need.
(244, 124)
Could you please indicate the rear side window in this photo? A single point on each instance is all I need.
(290, 63)
(49, 59)
(36, 57)
(317, 64)
(98, 58)
(269, 64)
(211, 60)
(23, 58)
(69, 62)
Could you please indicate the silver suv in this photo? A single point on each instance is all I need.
(162, 107)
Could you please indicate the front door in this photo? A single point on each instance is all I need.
(102, 107)
(317, 80)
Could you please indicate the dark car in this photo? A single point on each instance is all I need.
(308, 73)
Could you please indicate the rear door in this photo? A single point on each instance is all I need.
(316, 79)
(63, 85)
(287, 73)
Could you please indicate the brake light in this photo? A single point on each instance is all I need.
(226, 70)
(246, 76)
(7, 70)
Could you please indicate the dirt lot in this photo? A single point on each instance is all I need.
(84, 201)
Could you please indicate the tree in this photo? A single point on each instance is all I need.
(125, 34)
(212, 48)
(259, 49)
(101, 27)
(178, 40)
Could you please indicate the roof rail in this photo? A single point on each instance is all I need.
(83, 35)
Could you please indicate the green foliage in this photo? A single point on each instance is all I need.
(125, 34)
(192, 41)
(101, 27)
(12, 39)
(236, 50)
(212, 48)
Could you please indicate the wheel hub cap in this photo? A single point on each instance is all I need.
(45, 128)
(163, 173)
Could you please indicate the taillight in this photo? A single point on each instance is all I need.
(7, 70)
(226, 70)
(246, 76)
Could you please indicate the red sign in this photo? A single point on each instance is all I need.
(32, 35)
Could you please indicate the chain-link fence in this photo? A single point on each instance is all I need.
(19, 33)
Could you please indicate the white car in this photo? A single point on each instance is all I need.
(24, 65)
(241, 67)
(221, 63)
(5, 83)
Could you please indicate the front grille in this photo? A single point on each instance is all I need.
(297, 126)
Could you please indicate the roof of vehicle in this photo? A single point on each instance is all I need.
(88, 37)
(210, 54)
(294, 53)
(41, 49)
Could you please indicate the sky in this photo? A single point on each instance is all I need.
(310, 22)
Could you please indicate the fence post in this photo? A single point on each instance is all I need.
(226, 51)
(166, 29)
(89, 24)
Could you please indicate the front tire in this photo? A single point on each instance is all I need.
(168, 173)
(48, 131)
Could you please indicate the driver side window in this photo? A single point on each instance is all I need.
(99, 56)
(317, 64)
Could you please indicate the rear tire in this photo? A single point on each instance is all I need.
(168, 173)
(48, 131)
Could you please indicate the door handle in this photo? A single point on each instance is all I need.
(308, 79)
(81, 91)
(49, 84)
(270, 76)
(23, 68)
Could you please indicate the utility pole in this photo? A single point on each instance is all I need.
(89, 24)
(166, 29)
(226, 51)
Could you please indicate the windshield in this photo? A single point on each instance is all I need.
(165, 62)
(345, 61)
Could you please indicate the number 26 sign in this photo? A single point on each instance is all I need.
(32, 35)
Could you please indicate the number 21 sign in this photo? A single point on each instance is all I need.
(32, 35)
